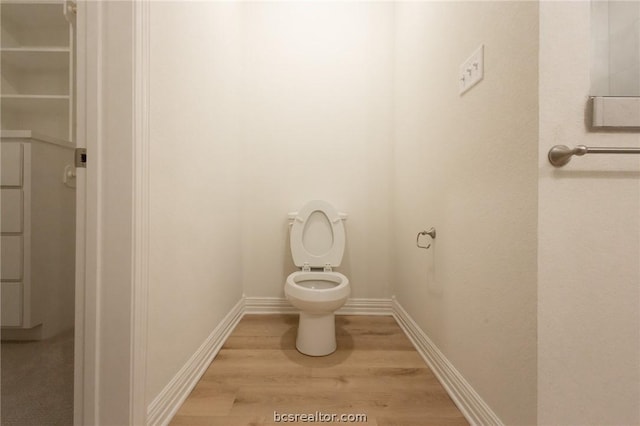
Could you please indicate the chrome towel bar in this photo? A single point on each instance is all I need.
(560, 155)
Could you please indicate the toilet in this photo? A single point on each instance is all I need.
(317, 244)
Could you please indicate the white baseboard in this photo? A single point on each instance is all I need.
(268, 305)
(280, 305)
(366, 307)
(166, 404)
(472, 406)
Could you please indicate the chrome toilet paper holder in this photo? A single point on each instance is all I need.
(431, 232)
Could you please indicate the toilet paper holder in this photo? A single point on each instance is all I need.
(431, 232)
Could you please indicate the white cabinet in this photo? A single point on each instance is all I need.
(11, 165)
(11, 212)
(37, 68)
(12, 257)
(37, 115)
(37, 235)
(11, 298)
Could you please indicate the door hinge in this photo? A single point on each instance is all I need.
(81, 157)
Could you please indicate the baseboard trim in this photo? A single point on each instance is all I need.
(268, 305)
(166, 404)
(472, 406)
(366, 307)
(280, 305)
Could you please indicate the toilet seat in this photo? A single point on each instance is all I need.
(311, 300)
(317, 236)
(326, 287)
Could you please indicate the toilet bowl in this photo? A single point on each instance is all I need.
(317, 245)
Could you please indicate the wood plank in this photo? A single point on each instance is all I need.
(208, 399)
(334, 378)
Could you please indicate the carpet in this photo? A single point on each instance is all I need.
(37, 382)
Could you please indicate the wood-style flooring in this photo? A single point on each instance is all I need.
(376, 371)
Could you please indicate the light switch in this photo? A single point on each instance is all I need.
(472, 70)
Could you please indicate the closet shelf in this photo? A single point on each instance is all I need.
(26, 135)
(36, 59)
(34, 24)
(36, 49)
(51, 108)
(35, 97)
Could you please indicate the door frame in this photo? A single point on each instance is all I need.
(111, 316)
(141, 208)
(85, 339)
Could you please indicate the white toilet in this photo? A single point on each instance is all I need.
(317, 245)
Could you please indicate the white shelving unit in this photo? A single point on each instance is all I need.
(37, 135)
(36, 57)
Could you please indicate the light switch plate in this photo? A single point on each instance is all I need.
(471, 71)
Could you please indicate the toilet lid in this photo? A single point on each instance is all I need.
(317, 236)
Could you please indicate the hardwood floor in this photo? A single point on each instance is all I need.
(376, 371)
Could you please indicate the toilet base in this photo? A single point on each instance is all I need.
(316, 334)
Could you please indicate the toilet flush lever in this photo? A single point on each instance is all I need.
(431, 232)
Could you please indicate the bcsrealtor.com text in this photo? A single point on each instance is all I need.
(319, 417)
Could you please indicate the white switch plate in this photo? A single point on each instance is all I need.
(472, 70)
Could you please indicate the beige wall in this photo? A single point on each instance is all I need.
(195, 269)
(467, 166)
(317, 125)
(589, 244)
(247, 124)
